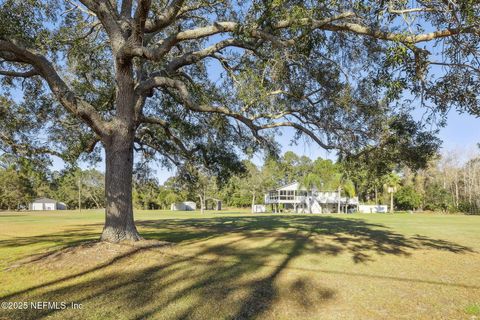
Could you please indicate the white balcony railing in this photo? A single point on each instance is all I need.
(304, 199)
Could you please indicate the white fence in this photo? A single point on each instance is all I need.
(372, 208)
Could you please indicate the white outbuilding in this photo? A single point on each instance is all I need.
(183, 206)
(43, 204)
(259, 208)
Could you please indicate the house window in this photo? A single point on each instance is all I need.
(273, 195)
(287, 194)
(290, 195)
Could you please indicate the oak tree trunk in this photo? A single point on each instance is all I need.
(119, 222)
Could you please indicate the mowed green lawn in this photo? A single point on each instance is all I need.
(236, 265)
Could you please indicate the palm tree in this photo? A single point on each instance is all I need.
(311, 181)
(392, 182)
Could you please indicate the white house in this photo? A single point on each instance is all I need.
(301, 200)
(43, 204)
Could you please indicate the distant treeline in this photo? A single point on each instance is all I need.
(22, 181)
(446, 185)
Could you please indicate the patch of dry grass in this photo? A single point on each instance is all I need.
(240, 266)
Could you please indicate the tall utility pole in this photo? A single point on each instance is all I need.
(391, 202)
(339, 198)
(80, 191)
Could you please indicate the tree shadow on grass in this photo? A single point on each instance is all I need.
(225, 277)
(321, 234)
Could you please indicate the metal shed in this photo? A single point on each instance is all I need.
(43, 204)
(183, 206)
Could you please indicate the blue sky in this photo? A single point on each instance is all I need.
(461, 133)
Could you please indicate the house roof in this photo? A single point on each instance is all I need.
(44, 200)
(297, 186)
(291, 186)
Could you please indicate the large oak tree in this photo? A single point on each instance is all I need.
(204, 80)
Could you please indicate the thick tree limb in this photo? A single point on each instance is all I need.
(392, 36)
(91, 145)
(82, 9)
(141, 13)
(227, 26)
(165, 18)
(19, 74)
(160, 49)
(411, 10)
(193, 57)
(301, 128)
(126, 9)
(59, 88)
(108, 16)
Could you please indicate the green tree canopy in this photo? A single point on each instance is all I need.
(407, 198)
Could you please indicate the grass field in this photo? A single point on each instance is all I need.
(235, 265)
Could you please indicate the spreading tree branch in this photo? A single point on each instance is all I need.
(25, 149)
(411, 10)
(19, 74)
(164, 19)
(457, 65)
(187, 100)
(141, 13)
(161, 48)
(166, 128)
(195, 56)
(59, 88)
(110, 20)
(126, 9)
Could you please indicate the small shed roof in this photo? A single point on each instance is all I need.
(44, 200)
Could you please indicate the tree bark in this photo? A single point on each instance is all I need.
(119, 222)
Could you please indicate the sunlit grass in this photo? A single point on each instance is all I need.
(473, 309)
(233, 264)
